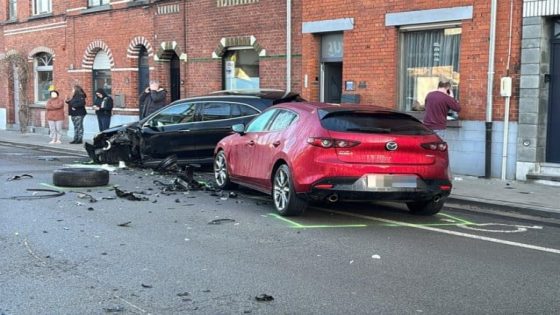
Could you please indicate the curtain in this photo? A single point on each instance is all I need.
(428, 57)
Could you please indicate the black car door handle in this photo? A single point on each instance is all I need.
(276, 144)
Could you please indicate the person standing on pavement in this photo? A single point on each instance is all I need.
(438, 103)
(77, 112)
(103, 106)
(152, 99)
(55, 116)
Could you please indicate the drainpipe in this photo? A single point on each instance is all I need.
(288, 46)
(489, 94)
(507, 96)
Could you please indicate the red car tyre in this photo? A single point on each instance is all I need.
(221, 174)
(286, 202)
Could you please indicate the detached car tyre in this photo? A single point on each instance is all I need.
(80, 177)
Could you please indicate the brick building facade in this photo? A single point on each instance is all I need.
(391, 53)
(378, 52)
(120, 45)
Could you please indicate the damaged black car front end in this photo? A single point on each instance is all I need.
(120, 143)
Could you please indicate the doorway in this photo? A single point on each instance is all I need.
(143, 70)
(331, 87)
(175, 77)
(553, 128)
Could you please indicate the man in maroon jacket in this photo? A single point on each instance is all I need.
(438, 103)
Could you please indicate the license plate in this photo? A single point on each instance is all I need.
(391, 181)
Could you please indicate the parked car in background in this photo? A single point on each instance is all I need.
(312, 151)
(188, 129)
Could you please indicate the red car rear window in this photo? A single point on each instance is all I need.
(364, 122)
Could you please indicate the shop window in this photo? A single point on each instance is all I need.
(102, 72)
(41, 6)
(241, 69)
(12, 9)
(427, 57)
(96, 3)
(43, 68)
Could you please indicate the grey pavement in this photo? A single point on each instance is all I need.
(492, 196)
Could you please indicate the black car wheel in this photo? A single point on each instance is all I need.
(286, 202)
(221, 174)
(80, 177)
(429, 207)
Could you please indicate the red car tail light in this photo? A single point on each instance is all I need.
(435, 146)
(331, 143)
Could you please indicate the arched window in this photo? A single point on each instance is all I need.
(241, 69)
(102, 72)
(143, 70)
(43, 68)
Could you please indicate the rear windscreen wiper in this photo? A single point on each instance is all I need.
(370, 129)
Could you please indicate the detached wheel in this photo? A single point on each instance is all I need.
(286, 202)
(80, 177)
(221, 174)
(425, 207)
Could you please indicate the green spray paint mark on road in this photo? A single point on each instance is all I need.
(295, 225)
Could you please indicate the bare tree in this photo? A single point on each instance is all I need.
(15, 68)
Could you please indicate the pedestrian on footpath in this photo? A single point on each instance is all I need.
(438, 103)
(77, 112)
(152, 99)
(55, 117)
(103, 106)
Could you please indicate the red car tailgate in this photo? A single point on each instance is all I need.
(379, 149)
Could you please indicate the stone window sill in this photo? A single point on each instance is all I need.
(138, 3)
(100, 8)
(40, 16)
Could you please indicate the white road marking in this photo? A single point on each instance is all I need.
(433, 229)
(516, 228)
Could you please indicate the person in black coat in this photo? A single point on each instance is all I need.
(77, 112)
(103, 106)
(152, 99)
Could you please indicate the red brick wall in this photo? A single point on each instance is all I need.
(371, 50)
(266, 21)
(196, 30)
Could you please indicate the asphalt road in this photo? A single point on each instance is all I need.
(66, 255)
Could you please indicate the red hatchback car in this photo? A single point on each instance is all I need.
(312, 151)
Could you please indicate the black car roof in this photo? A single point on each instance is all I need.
(258, 98)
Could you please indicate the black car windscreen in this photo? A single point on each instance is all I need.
(364, 122)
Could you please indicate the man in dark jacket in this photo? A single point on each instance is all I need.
(77, 112)
(152, 99)
(103, 107)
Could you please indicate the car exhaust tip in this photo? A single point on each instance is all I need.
(437, 198)
(332, 198)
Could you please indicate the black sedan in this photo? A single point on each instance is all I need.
(187, 129)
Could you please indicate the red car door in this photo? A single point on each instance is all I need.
(268, 146)
(242, 154)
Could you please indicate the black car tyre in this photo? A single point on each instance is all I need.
(221, 175)
(429, 207)
(286, 202)
(80, 177)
